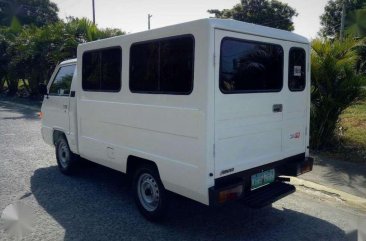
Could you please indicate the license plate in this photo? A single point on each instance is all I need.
(263, 178)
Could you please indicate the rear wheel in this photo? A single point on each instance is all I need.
(150, 194)
(66, 160)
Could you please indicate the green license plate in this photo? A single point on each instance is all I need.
(263, 178)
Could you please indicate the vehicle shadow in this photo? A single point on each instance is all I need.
(97, 204)
(18, 111)
(346, 176)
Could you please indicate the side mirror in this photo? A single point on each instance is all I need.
(43, 89)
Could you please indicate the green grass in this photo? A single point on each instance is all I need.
(352, 135)
(20, 84)
(353, 123)
(5, 85)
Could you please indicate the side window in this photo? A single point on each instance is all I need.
(164, 66)
(250, 67)
(62, 82)
(102, 70)
(297, 69)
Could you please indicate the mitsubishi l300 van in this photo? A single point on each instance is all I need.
(214, 110)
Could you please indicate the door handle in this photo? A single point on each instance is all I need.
(65, 107)
(277, 108)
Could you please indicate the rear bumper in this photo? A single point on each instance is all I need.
(238, 185)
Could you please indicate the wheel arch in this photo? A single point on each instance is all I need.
(134, 162)
(56, 135)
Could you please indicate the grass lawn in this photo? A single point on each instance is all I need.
(353, 121)
(20, 84)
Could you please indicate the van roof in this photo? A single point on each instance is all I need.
(255, 29)
(230, 25)
(69, 61)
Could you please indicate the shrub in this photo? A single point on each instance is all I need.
(335, 86)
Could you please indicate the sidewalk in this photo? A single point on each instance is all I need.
(340, 175)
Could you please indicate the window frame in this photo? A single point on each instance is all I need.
(99, 50)
(251, 91)
(288, 81)
(54, 78)
(164, 92)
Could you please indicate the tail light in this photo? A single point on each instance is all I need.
(230, 194)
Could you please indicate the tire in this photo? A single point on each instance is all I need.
(66, 160)
(149, 192)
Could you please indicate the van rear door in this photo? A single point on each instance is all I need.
(251, 102)
(297, 98)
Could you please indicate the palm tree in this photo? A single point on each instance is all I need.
(335, 86)
(32, 52)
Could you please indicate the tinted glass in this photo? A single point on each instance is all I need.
(297, 69)
(176, 65)
(247, 66)
(62, 82)
(163, 66)
(144, 67)
(91, 71)
(102, 70)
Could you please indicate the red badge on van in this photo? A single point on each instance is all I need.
(295, 135)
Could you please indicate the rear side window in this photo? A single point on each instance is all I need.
(62, 82)
(164, 66)
(297, 69)
(102, 70)
(250, 67)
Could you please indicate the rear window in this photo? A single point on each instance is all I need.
(163, 66)
(297, 69)
(250, 67)
(102, 70)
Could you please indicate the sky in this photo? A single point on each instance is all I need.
(131, 15)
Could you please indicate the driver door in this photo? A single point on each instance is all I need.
(56, 104)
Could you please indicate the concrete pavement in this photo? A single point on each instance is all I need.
(340, 175)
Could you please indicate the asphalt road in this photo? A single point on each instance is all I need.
(97, 203)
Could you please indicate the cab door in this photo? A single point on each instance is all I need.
(57, 103)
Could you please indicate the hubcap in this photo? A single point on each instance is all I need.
(148, 192)
(63, 154)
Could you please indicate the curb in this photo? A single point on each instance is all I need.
(21, 105)
(352, 200)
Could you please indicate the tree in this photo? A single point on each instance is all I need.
(335, 86)
(33, 53)
(361, 63)
(271, 13)
(355, 23)
(37, 12)
(7, 36)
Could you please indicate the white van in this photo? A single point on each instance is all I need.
(213, 110)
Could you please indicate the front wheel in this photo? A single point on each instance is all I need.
(150, 194)
(66, 160)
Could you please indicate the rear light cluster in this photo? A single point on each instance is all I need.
(230, 194)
